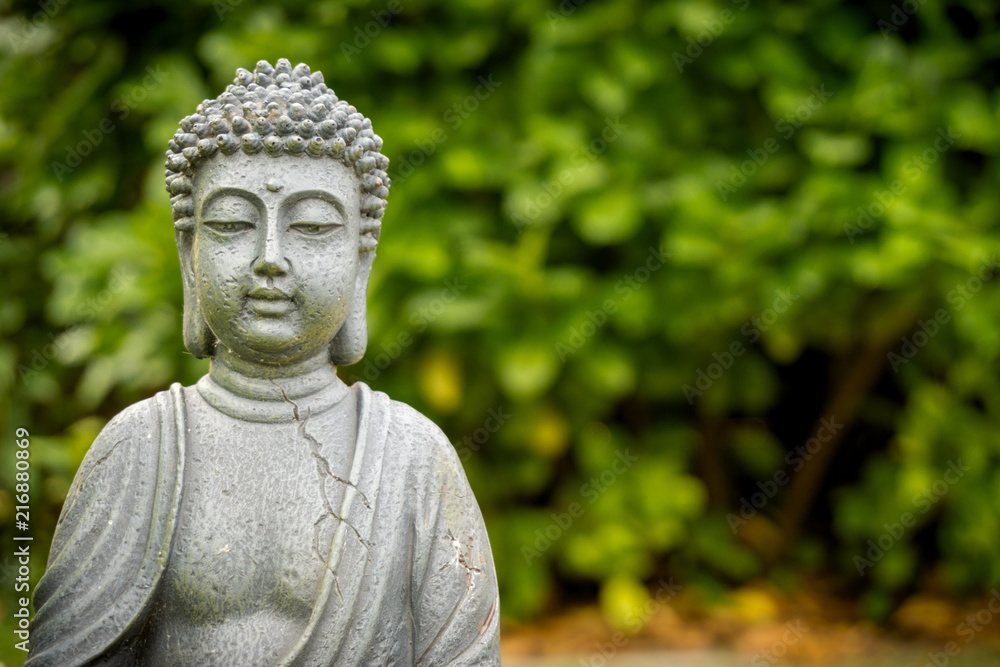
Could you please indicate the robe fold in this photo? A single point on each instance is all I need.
(410, 580)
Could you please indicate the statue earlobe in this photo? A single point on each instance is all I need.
(352, 340)
(198, 337)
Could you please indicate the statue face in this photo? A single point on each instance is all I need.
(275, 253)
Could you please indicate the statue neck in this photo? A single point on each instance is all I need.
(262, 393)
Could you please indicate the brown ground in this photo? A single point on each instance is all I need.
(755, 621)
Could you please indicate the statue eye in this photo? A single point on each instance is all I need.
(228, 226)
(312, 228)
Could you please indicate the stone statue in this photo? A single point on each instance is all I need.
(271, 514)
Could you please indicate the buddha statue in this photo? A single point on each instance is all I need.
(271, 514)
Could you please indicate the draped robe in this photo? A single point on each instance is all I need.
(419, 585)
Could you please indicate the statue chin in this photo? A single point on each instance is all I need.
(273, 344)
(270, 514)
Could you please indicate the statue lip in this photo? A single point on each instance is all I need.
(270, 302)
(268, 294)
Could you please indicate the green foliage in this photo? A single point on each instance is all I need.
(684, 230)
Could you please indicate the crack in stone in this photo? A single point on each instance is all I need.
(336, 585)
(315, 446)
(461, 559)
(345, 482)
(295, 407)
(319, 554)
(322, 466)
(323, 469)
(470, 584)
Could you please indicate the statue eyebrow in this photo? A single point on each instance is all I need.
(237, 192)
(328, 197)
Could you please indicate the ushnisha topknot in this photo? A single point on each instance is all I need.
(279, 110)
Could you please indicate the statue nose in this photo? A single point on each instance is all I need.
(271, 261)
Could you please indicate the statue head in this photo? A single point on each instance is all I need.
(278, 190)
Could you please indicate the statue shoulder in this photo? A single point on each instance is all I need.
(131, 435)
(416, 442)
(137, 424)
(419, 435)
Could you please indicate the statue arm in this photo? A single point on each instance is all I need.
(455, 603)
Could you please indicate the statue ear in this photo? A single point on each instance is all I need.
(351, 341)
(198, 337)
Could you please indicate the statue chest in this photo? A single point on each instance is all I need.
(255, 526)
